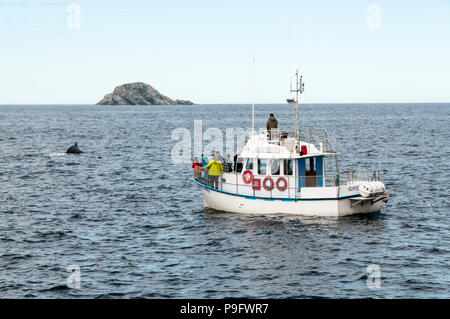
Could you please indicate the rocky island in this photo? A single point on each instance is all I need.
(138, 93)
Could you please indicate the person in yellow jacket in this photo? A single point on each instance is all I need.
(215, 169)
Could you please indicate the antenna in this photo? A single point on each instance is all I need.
(290, 53)
(299, 88)
(253, 103)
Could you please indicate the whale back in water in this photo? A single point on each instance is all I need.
(74, 149)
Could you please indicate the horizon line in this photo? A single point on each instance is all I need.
(198, 104)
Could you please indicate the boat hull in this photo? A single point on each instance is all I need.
(308, 207)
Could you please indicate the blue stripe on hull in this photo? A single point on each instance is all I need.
(274, 198)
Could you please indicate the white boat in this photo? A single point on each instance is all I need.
(292, 172)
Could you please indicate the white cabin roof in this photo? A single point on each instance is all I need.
(259, 146)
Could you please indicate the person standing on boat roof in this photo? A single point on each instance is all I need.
(215, 169)
(272, 123)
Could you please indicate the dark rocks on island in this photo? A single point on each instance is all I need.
(138, 93)
(183, 102)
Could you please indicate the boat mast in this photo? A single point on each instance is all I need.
(299, 88)
(253, 103)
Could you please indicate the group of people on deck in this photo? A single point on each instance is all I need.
(216, 167)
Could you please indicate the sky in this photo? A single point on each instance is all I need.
(75, 52)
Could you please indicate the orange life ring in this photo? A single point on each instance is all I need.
(248, 179)
(268, 188)
(281, 189)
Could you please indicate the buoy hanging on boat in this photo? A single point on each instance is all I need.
(371, 188)
(271, 183)
(247, 176)
(283, 185)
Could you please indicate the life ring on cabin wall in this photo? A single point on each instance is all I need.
(272, 184)
(281, 188)
(247, 176)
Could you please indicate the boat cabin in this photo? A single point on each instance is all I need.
(277, 165)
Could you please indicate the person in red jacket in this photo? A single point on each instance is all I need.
(197, 166)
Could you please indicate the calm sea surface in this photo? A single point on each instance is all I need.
(133, 220)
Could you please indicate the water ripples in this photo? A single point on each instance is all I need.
(134, 223)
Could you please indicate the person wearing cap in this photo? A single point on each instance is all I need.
(272, 123)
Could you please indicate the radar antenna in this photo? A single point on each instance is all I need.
(299, 89)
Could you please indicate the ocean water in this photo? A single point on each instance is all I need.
(133, 221)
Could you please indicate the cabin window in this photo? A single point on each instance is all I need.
(275, 167)
(310, 164)
(307, 164)
(262, 166)
(288, 167)
(249, 164)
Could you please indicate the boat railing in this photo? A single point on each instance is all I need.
(232, 182)
(212, 178)
(352, 177)
(319, 137)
